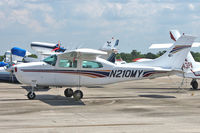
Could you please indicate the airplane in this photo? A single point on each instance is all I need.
(45, 49)
(190, 67)
(83, 67)
(12, 57)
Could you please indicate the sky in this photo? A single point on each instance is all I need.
(90, 23)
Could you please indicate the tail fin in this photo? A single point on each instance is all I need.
(174, 35)
(111, 48)
(111, 45)
(175, 56)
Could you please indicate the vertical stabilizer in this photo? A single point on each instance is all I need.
(175, 56)
(174, 34)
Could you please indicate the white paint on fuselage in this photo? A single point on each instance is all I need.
(71, 79)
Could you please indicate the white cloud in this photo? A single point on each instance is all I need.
(92, 9)
(41, 7)
(191, 6)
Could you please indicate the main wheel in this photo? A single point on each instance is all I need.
(31, 95)
(194, 85)
(68, 92)
(78, 94)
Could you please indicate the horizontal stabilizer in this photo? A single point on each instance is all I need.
(168, 45)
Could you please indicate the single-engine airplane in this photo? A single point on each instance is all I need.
(84, 67)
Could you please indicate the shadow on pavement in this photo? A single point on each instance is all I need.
(57, 100)
(157, 96)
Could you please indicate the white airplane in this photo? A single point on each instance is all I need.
(83, 67)
(190, 67)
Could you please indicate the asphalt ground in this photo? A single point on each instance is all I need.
(143, 106)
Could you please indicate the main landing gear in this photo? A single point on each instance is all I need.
(194, 84)
(78, 94)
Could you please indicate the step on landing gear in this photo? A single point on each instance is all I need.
(194, 84)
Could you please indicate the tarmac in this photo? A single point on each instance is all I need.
(143, 106)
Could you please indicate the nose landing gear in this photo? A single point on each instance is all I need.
(31, 95)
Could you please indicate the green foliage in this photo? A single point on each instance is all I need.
(128, 57)
(117, 56)
(196, 56)
(33, 56)
(1, 58)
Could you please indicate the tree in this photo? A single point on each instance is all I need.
(33, 56)
(1, 58)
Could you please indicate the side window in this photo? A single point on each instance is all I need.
(91, 64)
(51, 60)
(67, 63)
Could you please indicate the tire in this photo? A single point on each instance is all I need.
(31, 95)
(68, 92)
(195, 85)
(78, 94)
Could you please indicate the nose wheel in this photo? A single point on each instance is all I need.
(31, 95)
(77, 95)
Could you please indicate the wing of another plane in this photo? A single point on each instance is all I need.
(174, 35)
(168, 45)
(83, 53)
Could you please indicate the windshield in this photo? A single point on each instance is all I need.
(51, 60)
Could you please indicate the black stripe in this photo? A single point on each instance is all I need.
(37, 45)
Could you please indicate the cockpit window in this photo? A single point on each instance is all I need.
(67, 63)
(51, 60)
(91, 64)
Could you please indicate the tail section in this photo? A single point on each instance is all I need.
(176, 54)
(111, 48)
(174, 35)
(189, 63)
(111, 45)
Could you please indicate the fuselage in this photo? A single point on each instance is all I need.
(85, 73)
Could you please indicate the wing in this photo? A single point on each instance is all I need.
(83, 53)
